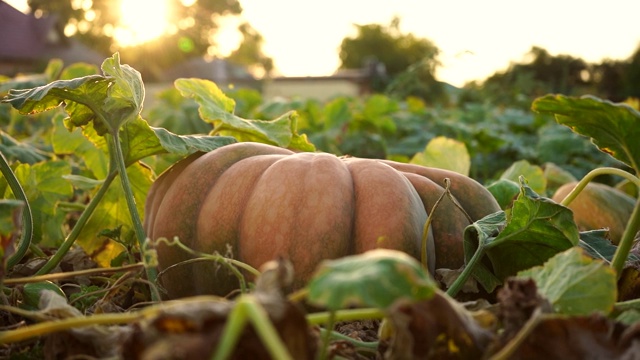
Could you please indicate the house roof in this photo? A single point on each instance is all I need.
(28, 38)
(24, 37)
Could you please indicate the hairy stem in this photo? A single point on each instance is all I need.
(115, 149)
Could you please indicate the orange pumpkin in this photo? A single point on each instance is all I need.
(256, 202)
(599, 206)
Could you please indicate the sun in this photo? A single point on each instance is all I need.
(141, 21)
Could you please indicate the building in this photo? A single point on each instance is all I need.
(28, 43)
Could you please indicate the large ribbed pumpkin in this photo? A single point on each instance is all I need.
(257, 202)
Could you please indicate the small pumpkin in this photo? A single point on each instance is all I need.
(257, 202)
(599, 206)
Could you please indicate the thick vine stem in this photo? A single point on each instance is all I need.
(626, 242)
(27, 218)
(466, 272)
(594, 173)
(116, 149)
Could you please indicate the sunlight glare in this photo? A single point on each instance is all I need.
(228, 38)
(141, 21)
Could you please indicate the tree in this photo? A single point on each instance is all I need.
(397, 51)
(94, 23)
(543, 73)
(249, 53)
(631, 80)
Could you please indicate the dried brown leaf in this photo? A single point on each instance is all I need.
(438, 328)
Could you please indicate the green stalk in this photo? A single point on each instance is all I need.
(326, 337)
(27, 218)
(248, 309)
(628, 237)
(625, 244)
(594, 173)
(116, 149)
(468, 269)
(345, 315)
(77, 228)
(49, 327)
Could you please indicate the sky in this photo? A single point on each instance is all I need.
(476, 38)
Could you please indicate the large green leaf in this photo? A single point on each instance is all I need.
(537, 228)
(79, 95)
(139, 140)
(534, 230)
(217, 108)
(504, 191)
(533, 173)
(445, 153)
(376, 278)
(575, 284)
(614, 128)
(108, 101)
(126, 95)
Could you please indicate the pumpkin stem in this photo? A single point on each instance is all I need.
(425, 232)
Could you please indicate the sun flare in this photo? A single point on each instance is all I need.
(141, 21)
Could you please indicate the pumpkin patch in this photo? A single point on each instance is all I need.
(256, 202)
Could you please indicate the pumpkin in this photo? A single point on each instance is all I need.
(256, 202)
(599, 206)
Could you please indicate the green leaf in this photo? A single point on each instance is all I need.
(126, 95)
(504, 191)
(377, 110)
(15, 150)
(336, 113)
(44, 186)
(32, 80)
(613, 128)
(476, 236)
(376, 278)
(139, 140)
(533, 173)
(597, 245)
(77, 70)
(79, 95)
(85, 144)
(575, 284)
(534, 230)
(444, 153)
(217, 108)
(108, 101)
(537, 228)
(113, 212)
